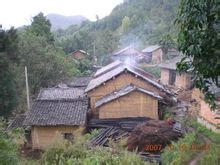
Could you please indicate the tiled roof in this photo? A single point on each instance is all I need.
(151, 48)
(122, 92)
(58, 112)
(78, 81)
(17, 122)
(137, 71)
(60, 93)
(107, 68)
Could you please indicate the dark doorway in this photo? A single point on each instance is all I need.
(172, 77)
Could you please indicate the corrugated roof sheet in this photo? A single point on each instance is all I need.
(122, 92)
(17, 122)
(58, 112)
(60, 93)
(151, 48)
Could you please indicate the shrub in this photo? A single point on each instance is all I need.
(179, 152)
(79, 153)
(8, 149)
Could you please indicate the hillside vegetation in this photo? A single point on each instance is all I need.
(135, 22)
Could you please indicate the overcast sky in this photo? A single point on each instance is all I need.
(19, 12)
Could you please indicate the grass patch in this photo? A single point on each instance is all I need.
(179, 152)
(214, 137)
(213, 155)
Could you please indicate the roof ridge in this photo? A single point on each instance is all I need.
(62, 99)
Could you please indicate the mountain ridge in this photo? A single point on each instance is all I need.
(59, 21)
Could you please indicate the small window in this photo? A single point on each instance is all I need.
(68, 136)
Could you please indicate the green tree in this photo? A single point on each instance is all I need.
(199, 40)
(167, 42)
(41, 26)
(7, 87)
(8, 149)
(46, 63)
(125, 24)
(7, 84)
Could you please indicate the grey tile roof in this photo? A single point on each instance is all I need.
(17, 122)
(137, 71)
(151, 48)
(122, 92)
(78, 81)
(60, 93)
(107, 68)
(58, 112)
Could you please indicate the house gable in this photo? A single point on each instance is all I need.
(134, 104)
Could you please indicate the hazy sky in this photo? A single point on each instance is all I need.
(19, 12)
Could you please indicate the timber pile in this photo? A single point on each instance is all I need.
(127, 124)
(106, 134)
(151, 157)
(152, 133)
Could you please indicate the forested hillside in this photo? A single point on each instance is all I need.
(134, 22)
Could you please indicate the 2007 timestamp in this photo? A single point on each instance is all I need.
(153, 147)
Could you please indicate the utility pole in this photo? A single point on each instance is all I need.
(27, 89)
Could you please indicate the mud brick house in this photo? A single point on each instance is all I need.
(79, 54)
(129, 101)
(206, 116)
(169, 75)
(153, 54)
(56, 112)
(128, 54)
(122, 90)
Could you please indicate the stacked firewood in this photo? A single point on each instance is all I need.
(127, 124)
(106, 134)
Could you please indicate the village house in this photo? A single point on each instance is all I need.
(56, 112)
(128, 54)
(169, 75)
(153, 54)
(129, 101)
(206, 116)
(122, 90)
(79, 54)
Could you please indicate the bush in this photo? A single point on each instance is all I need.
(8, 149)
(179, 152)
(80, 153)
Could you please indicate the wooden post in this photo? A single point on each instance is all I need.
(27, 89)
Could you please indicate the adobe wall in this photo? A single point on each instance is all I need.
(43, 136)
(135, 104)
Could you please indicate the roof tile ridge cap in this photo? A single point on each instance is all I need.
(61, 99)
